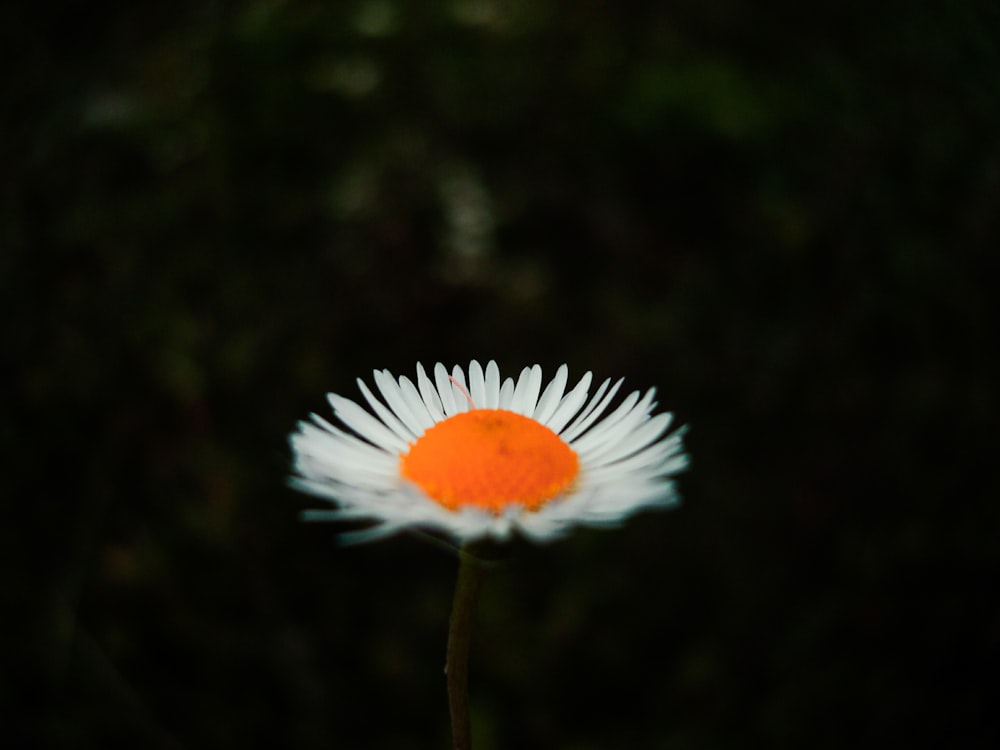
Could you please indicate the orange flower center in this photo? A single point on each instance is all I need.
(490, 458)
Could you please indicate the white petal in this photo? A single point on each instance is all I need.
(549, 401)
(365, 424)
(569, 405)
(380, 531)
(432, 400)
(607, 429)
(477, 385)
(542, 527)
(389, 388)
(506, 397)
(492, 386)
(526, 391)
(592, 411)
(385, 414)
(652, 461)
(311, 440)
(460, 390)
(445, 390)
(416, 403)
(637, 437)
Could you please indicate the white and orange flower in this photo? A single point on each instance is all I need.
(485, 458)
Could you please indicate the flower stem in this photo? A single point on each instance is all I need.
(471, 572)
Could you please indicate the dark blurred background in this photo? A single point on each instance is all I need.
(784, 216)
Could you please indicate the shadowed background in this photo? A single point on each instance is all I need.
(785, 218)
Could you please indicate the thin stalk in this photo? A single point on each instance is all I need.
(471, 572)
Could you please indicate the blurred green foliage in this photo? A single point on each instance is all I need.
(783, 216)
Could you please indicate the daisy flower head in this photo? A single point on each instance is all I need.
(484, 457)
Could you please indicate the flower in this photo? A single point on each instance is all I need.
(487, 459)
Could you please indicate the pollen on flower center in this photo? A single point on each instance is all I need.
(490, 458)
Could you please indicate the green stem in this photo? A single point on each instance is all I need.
(470, 579)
